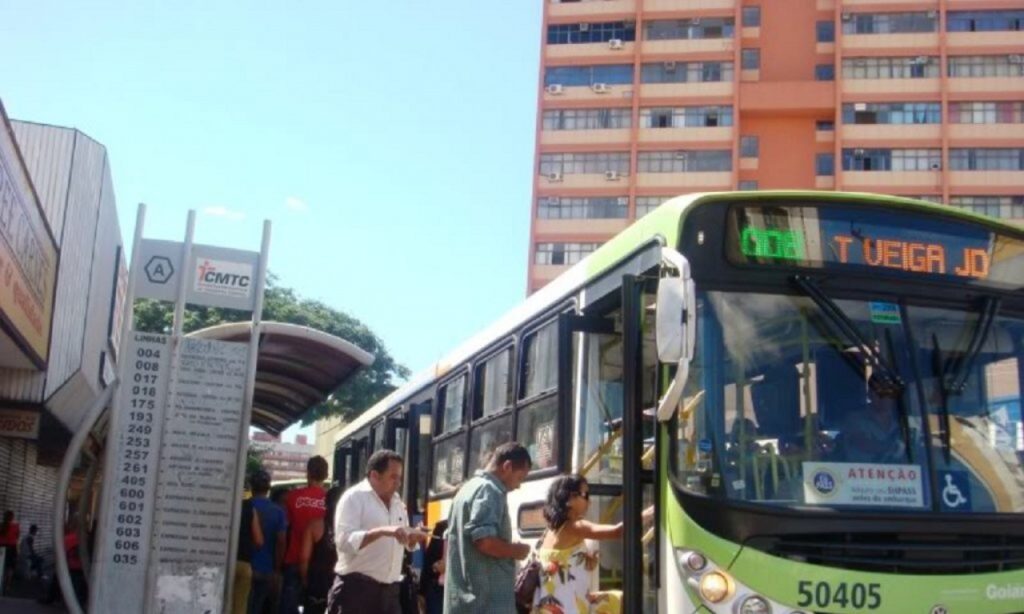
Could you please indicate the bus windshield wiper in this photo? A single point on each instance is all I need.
(885, 379)
(953, 373)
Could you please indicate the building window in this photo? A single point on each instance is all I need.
(1009, 207)
(689, 29)
(749, 146)
(994, 159)
(685, 72)
(702, 161)
(892, 159)
(584, 163)
(889, 23)
(559, 254)
(985, 21)
(824, 165)
(581, 208)
(986, 66)
(986, 112)
(918, 67)
(613, 74)
(824, 72)
(747, 185)
(752, 16)
(587, 119)
(646, 204)
(825, 125)
(686, 117)
(892, 113)
(751, 59)
(826, 32)
(574, 33)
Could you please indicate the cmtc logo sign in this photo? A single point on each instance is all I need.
(223, 278)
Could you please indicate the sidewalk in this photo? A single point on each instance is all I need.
(11, 605)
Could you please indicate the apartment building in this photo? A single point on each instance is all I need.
(642, 100)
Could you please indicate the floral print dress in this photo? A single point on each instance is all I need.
(565, 584)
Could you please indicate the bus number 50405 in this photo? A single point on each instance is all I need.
(843, 594)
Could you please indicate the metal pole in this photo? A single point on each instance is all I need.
(246, 417)
(632, 444)
(176, 326)
(127, 325)
(67, 466)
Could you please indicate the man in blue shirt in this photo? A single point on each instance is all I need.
(266, 560)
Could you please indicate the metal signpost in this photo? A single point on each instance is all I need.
(178, 435)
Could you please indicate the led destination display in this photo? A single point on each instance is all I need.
(836, 237)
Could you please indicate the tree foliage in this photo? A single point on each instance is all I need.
(282, 304)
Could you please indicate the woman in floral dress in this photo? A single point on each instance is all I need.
(566, 565)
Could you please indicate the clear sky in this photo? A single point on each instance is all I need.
(391, 143)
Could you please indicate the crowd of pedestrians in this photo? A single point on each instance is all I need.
(339, 552)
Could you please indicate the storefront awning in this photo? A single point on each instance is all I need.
(297, 368)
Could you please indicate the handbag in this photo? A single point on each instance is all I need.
(528, 581)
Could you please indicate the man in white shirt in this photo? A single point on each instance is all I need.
(372, 534)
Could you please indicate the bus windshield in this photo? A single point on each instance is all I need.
(879, 406)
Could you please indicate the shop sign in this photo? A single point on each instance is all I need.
(28, 258)
(19, 423)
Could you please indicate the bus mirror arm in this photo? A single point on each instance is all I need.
(676, 314)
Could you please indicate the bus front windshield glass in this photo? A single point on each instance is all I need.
(854, 404)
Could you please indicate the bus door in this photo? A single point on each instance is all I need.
(611, 409)
(342, 458)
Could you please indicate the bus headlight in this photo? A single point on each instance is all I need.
(714, 586)
(755, 604)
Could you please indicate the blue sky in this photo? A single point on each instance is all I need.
(391, 143)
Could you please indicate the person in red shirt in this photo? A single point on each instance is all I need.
(302, 506)
(9, 532)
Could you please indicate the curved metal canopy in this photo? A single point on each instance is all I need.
(297, 367)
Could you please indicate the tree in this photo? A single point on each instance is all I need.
(282, 304)
(254, 458)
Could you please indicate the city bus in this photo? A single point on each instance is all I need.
(820, 392)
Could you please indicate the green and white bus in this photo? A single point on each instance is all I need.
(820, 391)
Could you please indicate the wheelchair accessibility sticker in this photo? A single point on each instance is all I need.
(954, 491)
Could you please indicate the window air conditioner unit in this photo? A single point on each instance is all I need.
(1016, 58)
(921, 59)
(615, 43)
(936, 166)
(600, 88)
(611, 175)
(695, 21)
(584, 27)
(552, 201)
(682, 155)
(932, 14)
(670, 65)
(860, 106)
(847, 16)
(555, 89)
(858, 152)
(554, 177)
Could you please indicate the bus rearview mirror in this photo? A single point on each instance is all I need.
(675, 311)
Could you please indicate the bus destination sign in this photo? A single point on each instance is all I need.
(833, 237)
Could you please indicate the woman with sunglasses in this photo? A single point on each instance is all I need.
(566, 564)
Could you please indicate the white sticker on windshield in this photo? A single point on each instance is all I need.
(863, 484)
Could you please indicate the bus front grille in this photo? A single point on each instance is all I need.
(899, 553)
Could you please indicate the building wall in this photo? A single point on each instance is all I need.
(72, 177)
(795, 115)
(327, 430)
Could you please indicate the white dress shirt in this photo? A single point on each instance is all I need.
(360, 510)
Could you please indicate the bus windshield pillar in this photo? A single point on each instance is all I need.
(632, 443)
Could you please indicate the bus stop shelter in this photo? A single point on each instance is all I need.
(297, 368)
